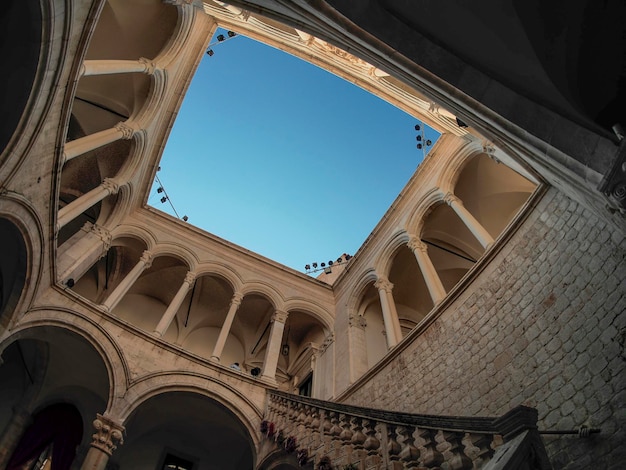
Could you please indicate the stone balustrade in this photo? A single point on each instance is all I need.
(336, 436)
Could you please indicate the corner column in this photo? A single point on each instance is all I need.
(78, 206)
(273, 345)
(108, 435)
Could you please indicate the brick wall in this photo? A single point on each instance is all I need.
(542, 325)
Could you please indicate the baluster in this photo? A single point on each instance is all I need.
(346, 437)
(371, 445)
(335, 431)
(458, 461)
(431, 457)
(315, 428)
(358, 439)
(393, 448)
(326, 431)
(409, 453)
(485, 451)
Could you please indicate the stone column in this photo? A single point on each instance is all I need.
(225, 331)
(109, 67)
(118, 293)
(358, 345)
(468, 219)
(92, 244)
(78, 206)
(272, 351)
(74, 148)
(108, 435)
(175, 304)
(13, 432)
(433, 282)
(390, 316)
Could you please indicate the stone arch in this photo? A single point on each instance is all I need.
(265, 290)
(383, 262)
(38, 322)
(315, 310)
(426, 203)
(176, 251)
(135, 231)
(454, 165)
(21, 230)
(221, 270)
(359, 289)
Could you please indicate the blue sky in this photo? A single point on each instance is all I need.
(283, 158)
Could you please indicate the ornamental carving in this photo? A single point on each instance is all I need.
(108, 434)
(237, 299)
(357, 321)
(416, 244)
(150, 66)
(104, 235)
(328, 340)
(450, 199)
(342, 54)
(280, 316)
(383, 284)
(190, 277)
(111, 185)
(146, 259)
(127, 131)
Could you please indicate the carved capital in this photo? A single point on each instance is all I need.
(237, 299)
(127, 130)
(489, 148)
(280, 316)
(383, 284)
(451, 199)
(190, 277)
(108, 434)
(150, 66)
(104, 235)
(416, 244)
(357, 321)
(328, 340)
(146, 259)
(111, 185)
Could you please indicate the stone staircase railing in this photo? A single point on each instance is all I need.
(325, 435)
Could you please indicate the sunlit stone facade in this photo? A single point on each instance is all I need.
(495, 279)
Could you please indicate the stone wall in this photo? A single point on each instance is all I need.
(543, 325)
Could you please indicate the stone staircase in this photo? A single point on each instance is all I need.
(320, 435)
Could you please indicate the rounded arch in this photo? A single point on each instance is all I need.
(38, 325)
(384, 260)
(22, 237)
(134, 231)
(264, 290)
(221, 270)
(177, 251)
(425, 205)
(313, 309)
(360, 289)
(455, 163)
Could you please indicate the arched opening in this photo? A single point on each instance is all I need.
(452, 248)
(185, 427)
(20, 44)
(410, 292)
(375, 335)
(252, 326)
(50, 441)
(45, 366)
(492, 192)
(13, 266)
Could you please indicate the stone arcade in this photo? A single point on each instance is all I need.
(493, 286)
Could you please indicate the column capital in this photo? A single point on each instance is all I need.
(328, 340)
(146, 259)
(108, 434)
(150, 66)
(383, 284)
(237, 299)
(280, 316)
(189, 277)
(450, 198)
(111, 185)
(104, 235)
(416, 244)
(127, 129)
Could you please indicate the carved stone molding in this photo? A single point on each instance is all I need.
(108, 435)
(128, 131)
(328, 340)
(450, 199)
(104, 235)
